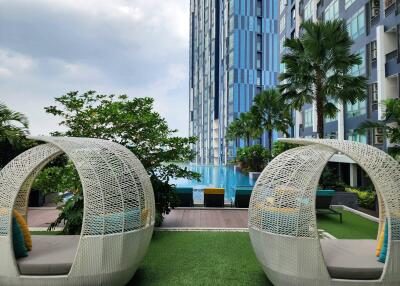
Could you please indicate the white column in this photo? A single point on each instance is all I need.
(340, 121)
(380, 67)
(353, 175)
(314, 117)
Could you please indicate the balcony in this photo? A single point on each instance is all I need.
(392, 66)
(389, 6)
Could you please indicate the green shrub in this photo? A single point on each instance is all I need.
(252, 158)
(280, 147)
(366, 199)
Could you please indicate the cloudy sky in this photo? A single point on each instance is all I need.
(134, 47)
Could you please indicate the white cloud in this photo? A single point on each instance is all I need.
(138, 47)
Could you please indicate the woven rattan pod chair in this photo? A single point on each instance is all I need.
(118, 216)
(282, 218)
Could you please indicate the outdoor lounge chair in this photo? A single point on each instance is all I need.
(185, 195)
(323, 203)
(283, 226)
(214, 197)
(242, 196)
(118, 216)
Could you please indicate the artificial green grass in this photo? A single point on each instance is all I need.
(353, 226)
(200, 258)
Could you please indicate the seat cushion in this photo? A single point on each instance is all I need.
(50, 255)
(351, 258)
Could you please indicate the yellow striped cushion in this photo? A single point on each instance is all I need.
(214, 191)
(25, 230)
(381, 238)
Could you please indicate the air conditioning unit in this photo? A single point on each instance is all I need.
(373, 54)
(375, 4)
(375, 12)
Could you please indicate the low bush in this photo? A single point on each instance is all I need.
(252, 158)
(280, 147)
(366, 199)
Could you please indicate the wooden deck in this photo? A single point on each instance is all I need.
(206, 218)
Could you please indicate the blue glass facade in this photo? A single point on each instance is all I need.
(243, 60)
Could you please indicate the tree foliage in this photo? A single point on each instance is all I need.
(318, 69)
(271, 112)
(133, 123)
(252, 158)
(245, 126)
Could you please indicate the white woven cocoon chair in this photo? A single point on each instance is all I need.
(282, 218)
(118, 215)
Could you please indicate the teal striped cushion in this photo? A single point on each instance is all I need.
(18, 240)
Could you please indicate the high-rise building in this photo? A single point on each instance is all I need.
(374, 26)
(234, 54)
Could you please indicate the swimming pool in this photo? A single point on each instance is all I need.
(226, 177)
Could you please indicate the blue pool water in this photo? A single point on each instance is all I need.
(226, 177)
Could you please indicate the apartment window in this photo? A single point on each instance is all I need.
(259, 81)
(348, 3)
(332, 11)
(282, 68)
(259, 43)
(359, 69)
(374, 96)
(308, 118)
(282, 24)
(308, 11)
(259, 8)
(356, 109)
(259, 25)
(373, 49)
(356, 24)
(259, 60)
(231, 76)
(356, 136)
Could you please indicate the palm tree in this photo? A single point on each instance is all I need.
(243, 127)
(318, 66)
(272, 113)
(13, 125)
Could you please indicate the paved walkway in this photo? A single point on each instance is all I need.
(42, 217)
(206, 218)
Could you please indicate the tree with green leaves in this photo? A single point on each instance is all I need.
(389, 124)
(271, 112)
(13, 130)
(318, 69)
(133, 123)
(245, 126)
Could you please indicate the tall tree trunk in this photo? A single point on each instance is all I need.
(270, 141)
(319, 104)
(248, 140)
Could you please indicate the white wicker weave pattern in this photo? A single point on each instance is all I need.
(118, 210)
(282, 219)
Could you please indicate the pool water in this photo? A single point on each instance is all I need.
(226, 177)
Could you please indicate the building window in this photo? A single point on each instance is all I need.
(356, 24)
(359, 69)
(374, 96)
(373, 50)
(259, 43)
(259, 25)
(282, 24)
(259, 81)
(259, 61)
(356, 109)
(308, 118)
(308, 11)
(332, 11)
(356, 136)
(259, 8)
(348, 3)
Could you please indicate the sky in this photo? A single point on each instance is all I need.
(133, 47)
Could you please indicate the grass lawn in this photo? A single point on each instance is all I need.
(353, 227)
(222, 258)
(200, 258)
